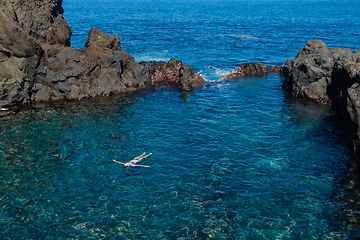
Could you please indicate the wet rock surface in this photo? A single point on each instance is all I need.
(38, 64)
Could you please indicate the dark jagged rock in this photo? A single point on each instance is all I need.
(37, 63)
(100, 68)
(308, 75)
(327, 76)
(41, 20)
(251, 70)
(19, 57)
(320, 74)
(190, 80)
(353, 111)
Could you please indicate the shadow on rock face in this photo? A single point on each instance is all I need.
(330, 77)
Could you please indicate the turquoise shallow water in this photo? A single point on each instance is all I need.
(237, 160)
(229, 162)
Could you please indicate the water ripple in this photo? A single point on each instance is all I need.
(237, 160)
(222, 167)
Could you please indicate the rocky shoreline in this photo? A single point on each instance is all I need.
(37, 64)
(330, 77)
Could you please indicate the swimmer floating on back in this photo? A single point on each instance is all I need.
(135, 160)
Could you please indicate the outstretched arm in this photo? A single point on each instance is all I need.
(139, 166)
(118, 162)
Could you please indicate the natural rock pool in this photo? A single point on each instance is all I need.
(235, 160)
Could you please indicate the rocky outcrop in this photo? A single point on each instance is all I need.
(330, 77)
(251, 70)
(308, 75)
(99, 69)
(174, 73)
(320, 74)
(38, 64)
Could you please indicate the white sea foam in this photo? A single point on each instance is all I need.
(223, 71)
(153, 56)
(244, 37)
(212, 74)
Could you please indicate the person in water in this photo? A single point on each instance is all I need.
(133, 162)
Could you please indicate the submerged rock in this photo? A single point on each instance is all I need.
(327, 76)
(38, 64)
(251, 70)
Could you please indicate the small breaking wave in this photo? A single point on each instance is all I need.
(212, 74)
(244, 37)
(153, 56)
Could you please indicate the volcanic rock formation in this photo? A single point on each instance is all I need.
(38, 64)
(330, 77)
(251, 70)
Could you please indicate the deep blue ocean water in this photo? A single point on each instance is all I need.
(237, 160)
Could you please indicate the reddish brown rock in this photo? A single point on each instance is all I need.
(251, 70)
(161, 73)
(275, 70)
(231, 76)
(172, 73)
